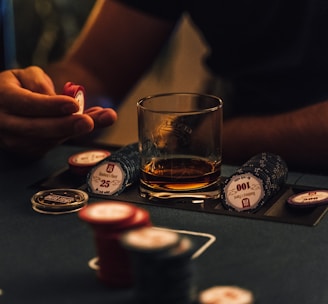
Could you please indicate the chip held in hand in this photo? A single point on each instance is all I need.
(77, 92)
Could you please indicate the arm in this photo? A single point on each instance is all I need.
(116, 46)
(300, 137)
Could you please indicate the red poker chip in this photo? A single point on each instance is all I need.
(109, 220)
(308, 199)
(110, 214)
(81, 163)
(141, 219)
(77, 92)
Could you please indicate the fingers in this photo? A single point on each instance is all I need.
(30, 93)
(102, 117)
(33, 119)
(45, 128)
(34, 137)
(29, 104)
(25, 94)
(55, 128)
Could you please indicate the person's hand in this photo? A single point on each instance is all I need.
(33, 119)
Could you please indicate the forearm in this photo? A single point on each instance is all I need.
(110, 56)
(66, 70)
(299, 137)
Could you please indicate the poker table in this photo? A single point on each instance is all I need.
(281, 258)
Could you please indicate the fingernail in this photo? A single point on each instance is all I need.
(106, 119)
(82, 126)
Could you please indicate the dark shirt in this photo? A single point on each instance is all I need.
(7, 36)
(273, 54)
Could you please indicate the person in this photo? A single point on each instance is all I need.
(270, 58)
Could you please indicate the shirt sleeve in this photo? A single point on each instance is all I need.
(167, 9)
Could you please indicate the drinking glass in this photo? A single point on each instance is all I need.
(180, 143)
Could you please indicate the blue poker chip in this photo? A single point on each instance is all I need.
(308, 199)
(163, 266)
(255, 182)
(115, 173)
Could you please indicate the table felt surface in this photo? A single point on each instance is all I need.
(44, 258)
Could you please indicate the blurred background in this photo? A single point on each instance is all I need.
(44, 30)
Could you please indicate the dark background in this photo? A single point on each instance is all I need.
(46, 28)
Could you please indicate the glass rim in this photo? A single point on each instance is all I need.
(218, 106)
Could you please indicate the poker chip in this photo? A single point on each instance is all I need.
(81, 163)
(254, 183)
(150, 240)
(140, 219)
(308, 199)
(59, 201)
(115, 173)
(109, 220)
(77, 92)
(108, 214)
(162, 265)
(226, 295)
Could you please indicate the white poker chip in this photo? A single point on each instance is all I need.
(244, 192)
(116, 172)
(106, 178)
(226, 295)
(77, 92)
(150, 239)
(309, 198)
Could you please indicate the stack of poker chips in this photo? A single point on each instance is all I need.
(162, 266)
(115, 173)
(255, 182)
(109, 221)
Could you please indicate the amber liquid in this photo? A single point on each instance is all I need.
(180, 174)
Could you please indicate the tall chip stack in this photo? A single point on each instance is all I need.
(115, 173)
(254, 183)
(109, 220)
(163, 266)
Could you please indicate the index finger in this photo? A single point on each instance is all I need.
(23, 102)
(29, 92)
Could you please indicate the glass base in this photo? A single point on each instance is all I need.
(194, 196)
